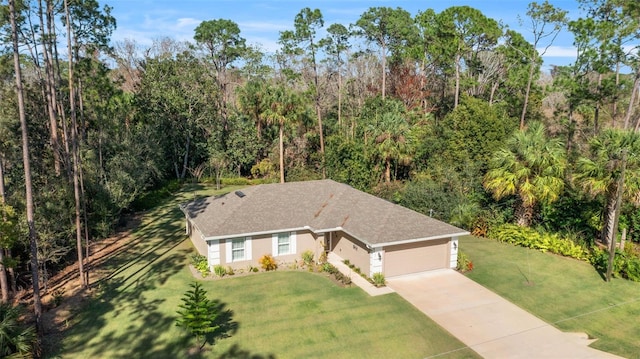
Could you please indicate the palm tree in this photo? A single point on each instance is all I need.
(532, 167)
(391, 141)
(15, 338)
(284, 108)
(611, 153)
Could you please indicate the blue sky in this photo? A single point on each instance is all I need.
(261, 21)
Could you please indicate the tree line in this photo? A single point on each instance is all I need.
(447, 113)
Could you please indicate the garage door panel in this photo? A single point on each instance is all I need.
(416, 257)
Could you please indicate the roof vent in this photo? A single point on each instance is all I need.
(240, 194)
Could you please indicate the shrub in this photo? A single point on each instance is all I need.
(323, 257)
(200, 263)
(329, 268)
(58, 296)
(347, 262)
(230, 271)
(268, 263)
(378, 279)
(219, 270)
(307, 258)
(464, 264)
(625, 265)
(530, 238)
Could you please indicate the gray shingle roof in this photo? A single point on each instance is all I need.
(320, 206)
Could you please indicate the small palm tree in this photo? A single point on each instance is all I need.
(283, 110)
(16, 340)
(599, 173)
(531, 166)
(390, 130)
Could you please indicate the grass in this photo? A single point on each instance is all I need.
(568, 293)
(273, 315)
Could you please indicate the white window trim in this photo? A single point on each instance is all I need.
(292, 244)
(229, 249)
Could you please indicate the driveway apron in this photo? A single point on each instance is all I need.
(486, 322)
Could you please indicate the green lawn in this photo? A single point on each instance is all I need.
(568, 293)
(278, 314)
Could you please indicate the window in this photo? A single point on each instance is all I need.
(284, 243)
(238, 249)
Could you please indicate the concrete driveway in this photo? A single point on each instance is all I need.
(486, 322)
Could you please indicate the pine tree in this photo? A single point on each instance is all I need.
(198, 314)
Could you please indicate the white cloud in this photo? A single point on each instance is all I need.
(188, 22)
(559, 51)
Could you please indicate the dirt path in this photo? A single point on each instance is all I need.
(65, 284)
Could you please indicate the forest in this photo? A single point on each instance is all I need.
(449, 114)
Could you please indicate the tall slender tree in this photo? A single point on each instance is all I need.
(393, 30)
(33, 235)
(546, 23)
(303, 39)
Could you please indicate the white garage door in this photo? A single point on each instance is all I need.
(416, 257)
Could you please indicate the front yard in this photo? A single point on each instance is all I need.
(283, 314)
(565, 292)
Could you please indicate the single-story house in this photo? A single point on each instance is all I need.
(286, 219)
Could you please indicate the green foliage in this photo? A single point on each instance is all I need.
(155, 197)
(307, 257)
(378, 279)
(219, 270)
(626, 264)
(9, 226)
(348, 161)
(329, 268)
(531, 166)
(472, 132)
(200, 263)
(197, 314)
(16, 339)
(230, 271)
(264, 169)
(268, 263)
(530, 238)
(464, 263)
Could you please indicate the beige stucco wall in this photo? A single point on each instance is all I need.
(353, 250)
(261, 245)
(196, 238)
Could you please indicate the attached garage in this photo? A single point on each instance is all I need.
(416, 257)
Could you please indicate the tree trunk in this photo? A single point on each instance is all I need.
(614, 231)
(4, 286)
(281, 144)
(185, 158)
(387, 171)
(608, 219)
(632, 100)
(2, 188)
(50, 89)
(384, 70)
(527, 94)
(75, 153)
(596, 115)
(524, 214)
(457, 89)
(33, 237)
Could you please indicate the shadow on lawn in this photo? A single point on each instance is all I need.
(235, 352)
(126, 290)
